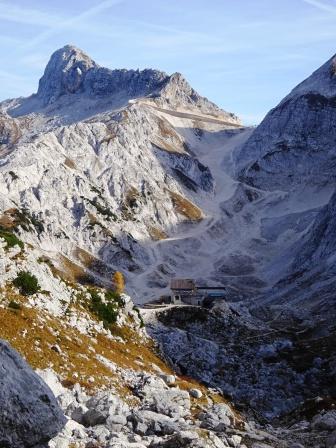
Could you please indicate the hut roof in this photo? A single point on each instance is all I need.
(182, 283)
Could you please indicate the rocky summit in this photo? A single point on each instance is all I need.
(116, 182)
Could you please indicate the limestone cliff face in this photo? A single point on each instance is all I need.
(306, 288)
(105, 160)
(295, 143)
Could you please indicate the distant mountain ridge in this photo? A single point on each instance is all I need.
(108, 161)
(294, 151)
(71, 75)
(295, 143)
(134, 170)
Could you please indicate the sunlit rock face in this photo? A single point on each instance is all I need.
(109, 163)
(295, 143)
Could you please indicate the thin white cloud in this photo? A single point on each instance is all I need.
(321, 5)
(12, 84)
(59, 26)
(9, 40)
(29, 16)
(7, 75)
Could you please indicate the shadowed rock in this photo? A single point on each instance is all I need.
(29, 413)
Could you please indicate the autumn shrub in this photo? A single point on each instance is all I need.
(118, 282)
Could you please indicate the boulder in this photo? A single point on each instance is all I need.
(101, 433)
(326, 421)
(116, 422)
(78, 413)
(158, 397)
(108, 403)
(168, 379)
(235, 440)
(147, 422)
(59, 442)
(218, 418)
(189, 439)
(29, 413)
(331, 440)
(195, 393)
(105, 407)
(94, 417)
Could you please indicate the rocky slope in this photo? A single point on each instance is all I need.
(293, 151)
(117, 388)
(105, 161)
(134, 171)
(104, 170)
(112, 383)
(294, 145)
(276, 374)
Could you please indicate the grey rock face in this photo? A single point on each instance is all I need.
(295, 142)
(320, 241)
(313, 265)
(9, 131)
(133, 83)
(160, 398)
(65, 73)
(29, 413)
(326, 421)
(71, 71)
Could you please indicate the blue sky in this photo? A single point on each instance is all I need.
(244, 55)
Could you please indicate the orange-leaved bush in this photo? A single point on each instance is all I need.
(118, 282)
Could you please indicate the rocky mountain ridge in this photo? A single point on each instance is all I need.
(294, 144)
(149, 185)
(293, 150)
(113, 206)
(104, 170)
(71, 75)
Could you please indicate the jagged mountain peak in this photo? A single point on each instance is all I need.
(178, 81)
(295, 141)
(177, 77)
(321, 81)
(64, 73)
(70, 70)
(74, 87)
(70, 53)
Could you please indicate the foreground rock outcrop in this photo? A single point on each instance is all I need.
(30, 414)
(280, 372)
